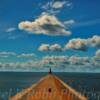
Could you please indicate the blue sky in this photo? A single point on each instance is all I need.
(78, 19)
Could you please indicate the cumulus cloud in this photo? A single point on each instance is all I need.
(73, 63)
(45, 24)
(55, 61)
(65, 60)
(77, 44)
(56, 47)
(83, 44)
(96, 58)
(94, 41)
(64, 63)
(47, 47)
(11, 29)
(98, 53)
(55, 58)
(21, 66)
(44, 47)
(75, 60)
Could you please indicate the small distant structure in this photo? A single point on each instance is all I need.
(49, 87)
(50, 71)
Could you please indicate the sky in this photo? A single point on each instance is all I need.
(38, 34)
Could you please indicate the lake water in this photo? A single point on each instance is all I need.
(85, 83)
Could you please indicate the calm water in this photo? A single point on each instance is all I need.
(13, 82)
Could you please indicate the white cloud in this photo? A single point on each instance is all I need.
(87, 23)
(64, 63)
(77, 44)
(94, 41)
(47, 47)
(65, 60)
(28, 65)
(44, 47)
(69, 22)
(73, 63)
(69, 4)
(55, 58)
(54, 7)
(96, 59)
(58, 4)
(98, 53)
(45, 24)
(54, 61)
(56, 47)
(7, 54)
(26, 55)
(75, 60)
(11, 29)
(83, 44)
